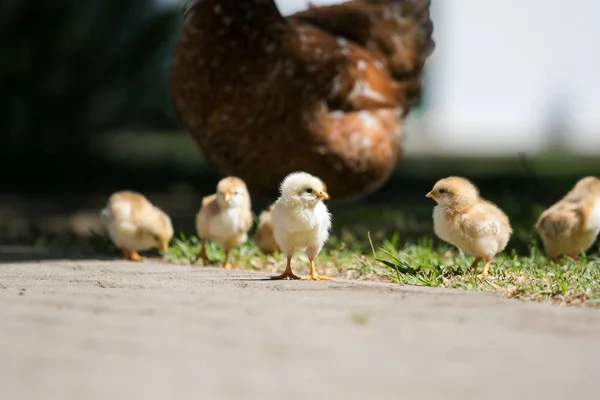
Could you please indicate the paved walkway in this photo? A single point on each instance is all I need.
(86, 330)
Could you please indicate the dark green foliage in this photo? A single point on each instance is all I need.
(71, 69)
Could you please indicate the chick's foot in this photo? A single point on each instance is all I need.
(486, 269)
(201, 256)
(287, 274)
(313, 274)
(132, 255)
(474, 264)
(316, 277)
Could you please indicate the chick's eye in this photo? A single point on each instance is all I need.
(236, 193)
(442, 191)
(309, 190)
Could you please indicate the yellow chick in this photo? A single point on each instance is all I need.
(134, 224)
(265, 239)
(571, 225)
(301, 220)
(465, 220)
(225, 217)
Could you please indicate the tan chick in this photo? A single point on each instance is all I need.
(134, 224)
(465, 220)
(265, 239)
(225, 217)
(301, 220)
(571, 225)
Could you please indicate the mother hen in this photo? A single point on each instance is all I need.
(324, 90)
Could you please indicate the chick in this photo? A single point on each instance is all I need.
(134, 224)
(571, 225)
(465, 220)
(225, 217)
(265, 238)
(301, 220)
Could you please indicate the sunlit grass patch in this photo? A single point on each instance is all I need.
(532, 277)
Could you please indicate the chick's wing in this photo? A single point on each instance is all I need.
(150, 226)
(203, 215)
(562, 219)
(246, 222)
(485, 219)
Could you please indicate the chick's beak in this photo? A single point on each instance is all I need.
(430, 195)
(322, 195)
(163, 245)
(227, 197)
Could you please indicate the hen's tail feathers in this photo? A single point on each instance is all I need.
(399, 32)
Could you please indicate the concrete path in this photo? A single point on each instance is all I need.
(87, 330)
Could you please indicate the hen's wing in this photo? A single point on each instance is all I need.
(398, 32)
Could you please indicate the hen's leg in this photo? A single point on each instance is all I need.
(486, 269)
(313, 273)
(287, 274)
(132, 255)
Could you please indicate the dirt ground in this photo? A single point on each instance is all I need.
(117, 330)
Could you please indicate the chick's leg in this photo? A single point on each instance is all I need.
(202, 253)
(287, 274)
(474, 264)
(226, 263)
(132, 255)
(313, 273)
(486, 269)
(575, 257)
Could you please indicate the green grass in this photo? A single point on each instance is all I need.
(340, 258)
(384, 244)
(527, 277)
(390, 238)
(413, 256)
(426, 262)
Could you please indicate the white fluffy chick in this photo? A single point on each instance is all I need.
(465, 220)
(301, 220)
(225, 217)
(134, 224)
(571, 225)
(265, 239)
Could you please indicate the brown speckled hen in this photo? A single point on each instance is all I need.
(323, 91)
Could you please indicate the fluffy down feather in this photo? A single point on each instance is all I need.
(572, 224)
(265, 239)
(225, 217)
(462, 218)
(134, 224)
(301, 220)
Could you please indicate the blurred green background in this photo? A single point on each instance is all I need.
(85, 110)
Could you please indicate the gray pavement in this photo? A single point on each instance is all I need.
(116, 330)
